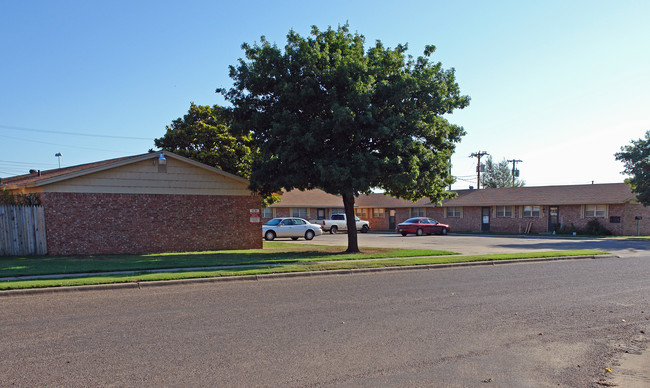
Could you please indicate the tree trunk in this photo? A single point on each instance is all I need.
(348, 203)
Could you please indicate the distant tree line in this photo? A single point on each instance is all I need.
(498, 175)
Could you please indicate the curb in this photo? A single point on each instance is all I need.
(286, 275)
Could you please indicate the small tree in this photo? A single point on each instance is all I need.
(636, 160)
(204, 135)
(325, 113)
(499, 175)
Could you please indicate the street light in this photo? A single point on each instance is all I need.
(58, 155)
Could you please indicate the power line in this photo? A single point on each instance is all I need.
(72, 133)
(9, 163)
(464, 179)
(10, 173)
(57, 144)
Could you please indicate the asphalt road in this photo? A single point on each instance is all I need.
(514, 325)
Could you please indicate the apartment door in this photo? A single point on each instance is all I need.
(391, 219)
(485, 219)
(553, 218)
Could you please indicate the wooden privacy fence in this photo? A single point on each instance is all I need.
(22, 230)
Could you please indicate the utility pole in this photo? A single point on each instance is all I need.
(515, 172)
(478, 166)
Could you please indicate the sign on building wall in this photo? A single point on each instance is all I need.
(255, 215)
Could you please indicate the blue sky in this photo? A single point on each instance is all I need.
(561, 85)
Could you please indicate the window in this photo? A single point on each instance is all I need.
(299, 222)
(505, 211)
(531, 211)
(378, 213)
(595, 210)
(453, 212)
(418, 212)
(338, 211)
(299, 212)
(267, 212)
(361, 212)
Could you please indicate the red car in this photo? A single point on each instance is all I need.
(420, 226)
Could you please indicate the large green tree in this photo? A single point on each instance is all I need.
(327, 113)
(204, 135)
(499, 175)
(636, 160)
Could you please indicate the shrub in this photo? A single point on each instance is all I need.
(7, 198)
(568, 229)
(595, 228)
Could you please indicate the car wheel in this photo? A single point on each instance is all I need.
(364, 229)
(404, 234)
(309, 235)
(294, 238)
(269, 236)
(443, 231)
(334, 229)
(419, 232)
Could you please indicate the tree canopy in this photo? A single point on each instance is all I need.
(204, 135)
(327, 113)
(636, 161)
(499, 175)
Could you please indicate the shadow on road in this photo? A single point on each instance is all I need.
(601, 244)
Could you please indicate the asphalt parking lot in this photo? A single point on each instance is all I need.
(485, 244)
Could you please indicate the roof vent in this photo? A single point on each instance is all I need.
(32, 171)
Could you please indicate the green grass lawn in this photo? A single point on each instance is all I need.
(274, 258)
(273, 253)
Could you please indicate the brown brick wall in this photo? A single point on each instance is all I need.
(283, 212)
(467, 223)
(379, 223)
(471, 219)
(82, 224)
(568, 214)
(634, 227)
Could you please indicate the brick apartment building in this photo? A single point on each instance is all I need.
(150, 203)
(541, 209)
